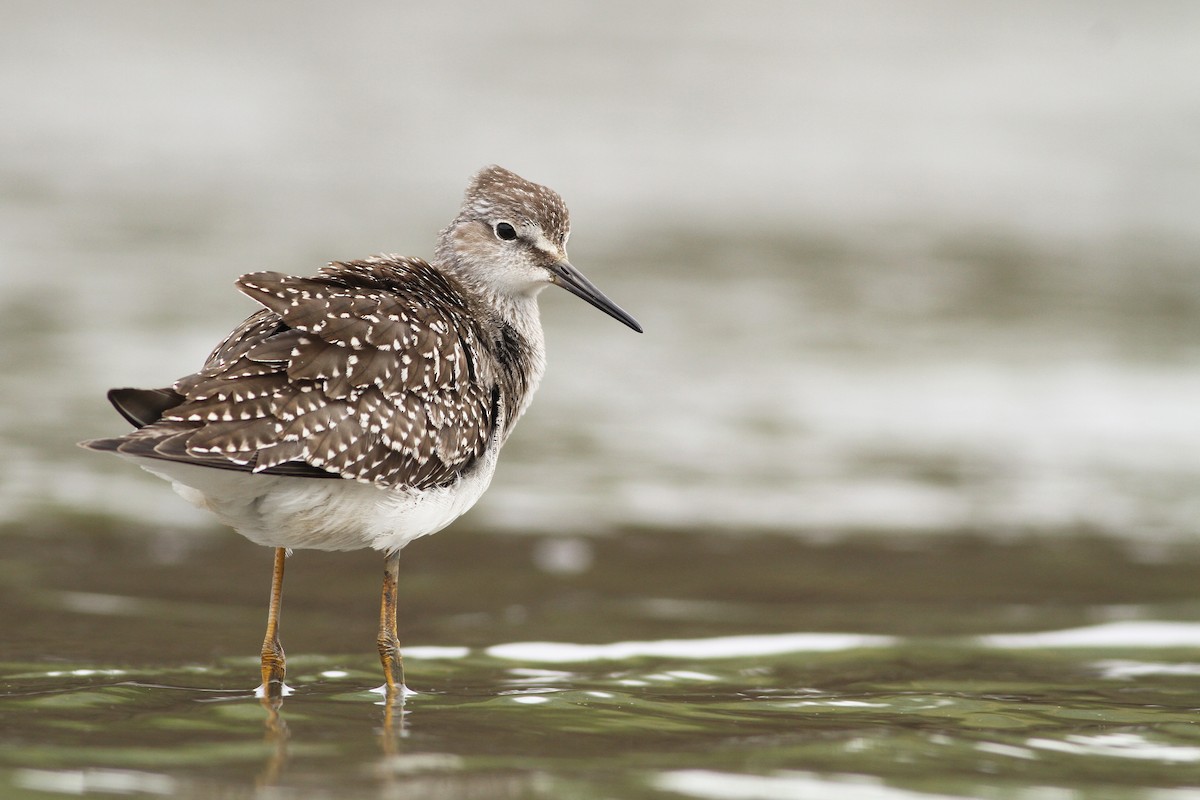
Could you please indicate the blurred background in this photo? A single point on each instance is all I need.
(900, 482)
(911, 268)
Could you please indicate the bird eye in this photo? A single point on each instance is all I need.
(505, 231)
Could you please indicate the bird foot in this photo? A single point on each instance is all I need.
(274, 690)
(395, 692)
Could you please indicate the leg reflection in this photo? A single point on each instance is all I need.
(395, 726)
(277, 736)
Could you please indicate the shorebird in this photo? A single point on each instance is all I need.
(366, 406)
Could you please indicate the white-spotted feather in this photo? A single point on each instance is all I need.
(314, 378)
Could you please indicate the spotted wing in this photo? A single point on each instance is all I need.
(363, 372)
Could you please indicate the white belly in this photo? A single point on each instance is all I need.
(324, 513)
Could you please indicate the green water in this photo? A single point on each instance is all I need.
(636, 665)
(895, 498)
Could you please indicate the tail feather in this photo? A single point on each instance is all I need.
(142, 407)
(103, 445)
(168, 441)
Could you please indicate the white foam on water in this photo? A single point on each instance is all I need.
(1130, 633)
(717, 647)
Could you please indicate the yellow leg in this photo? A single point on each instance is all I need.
(389, 643)
(272, 651)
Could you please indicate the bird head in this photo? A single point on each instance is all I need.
(510, 240)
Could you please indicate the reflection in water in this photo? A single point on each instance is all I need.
(276, 739)
(1069, 663)
(391, 730)
(909, 716)
(394, 726)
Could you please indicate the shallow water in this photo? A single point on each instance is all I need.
(633, 665)
(895, 498)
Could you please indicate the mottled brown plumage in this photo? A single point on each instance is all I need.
(366, 406)
(380, 370)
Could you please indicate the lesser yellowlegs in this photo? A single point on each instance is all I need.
(366, 406)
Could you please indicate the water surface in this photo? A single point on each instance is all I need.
(895, 498)
(635, 665)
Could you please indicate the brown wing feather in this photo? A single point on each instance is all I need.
(360, 372)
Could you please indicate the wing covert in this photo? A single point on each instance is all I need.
(362, 372)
